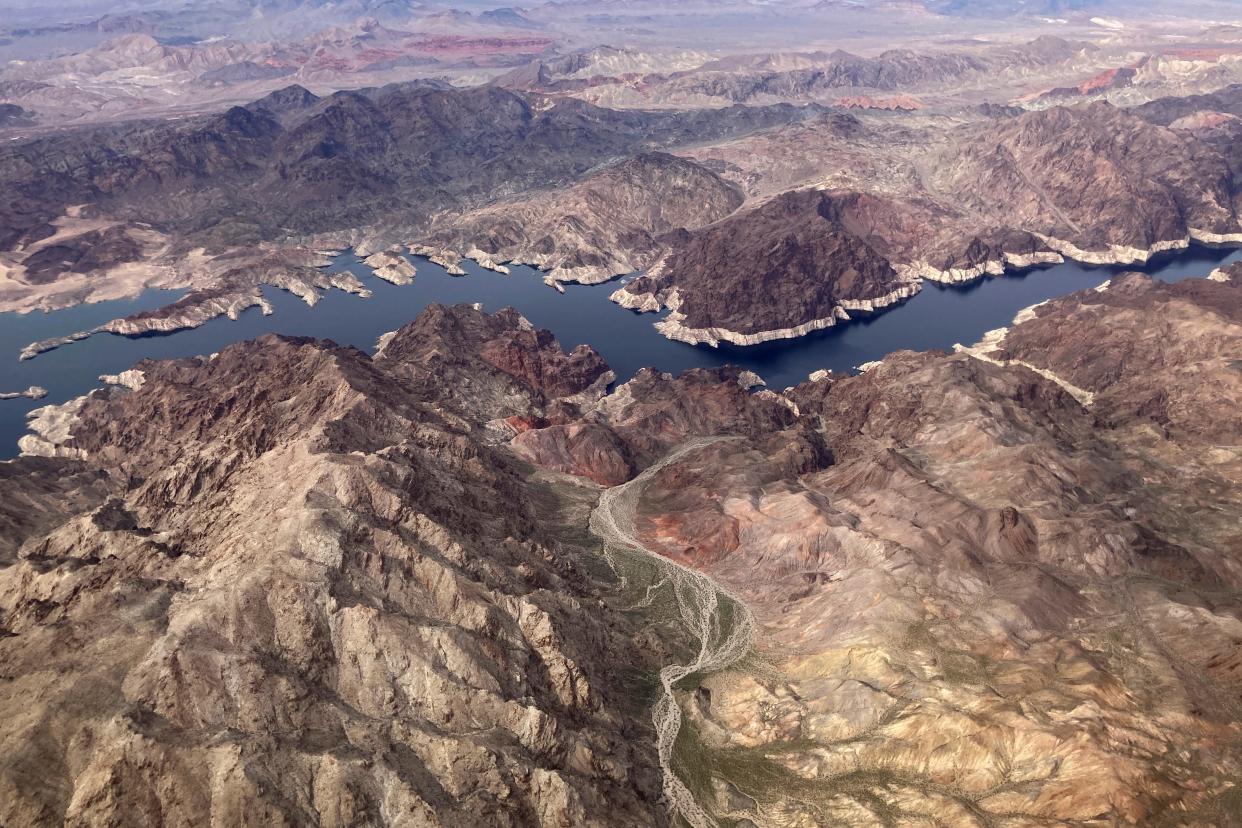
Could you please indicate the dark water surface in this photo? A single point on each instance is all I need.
(937, 317)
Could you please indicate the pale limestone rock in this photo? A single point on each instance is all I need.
(131, 379)
(673, 327)
(391, 266)
(51, 426)
(382, 342)
(34, 392)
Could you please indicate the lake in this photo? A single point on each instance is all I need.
(937, 317)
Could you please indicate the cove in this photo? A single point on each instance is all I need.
(937, 317)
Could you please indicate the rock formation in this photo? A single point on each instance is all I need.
(604, 226)
(34, 392)
(977, 598)
(817, 262)
(295, 581)
(289, 583)
(391, 266)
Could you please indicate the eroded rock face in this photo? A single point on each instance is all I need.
(817, 259)
(284, 586)
(1048, 171)
(604, 226)
(979, 598)
(39, 493)
(649, 415)
(297, 582)
(493, 366)
(1191, 325)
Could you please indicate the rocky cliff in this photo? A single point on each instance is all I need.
(293, 583)
(143, 203)
(289, 584)
(790, 266)
(607, 225)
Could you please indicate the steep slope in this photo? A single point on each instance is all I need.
(298, 588)
(414, 147)
(348, 168)
(293, 583)
(1004, 588)
(606, 225)
(793, 265)
(1100, 182)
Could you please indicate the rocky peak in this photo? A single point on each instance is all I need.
(648, 416)
(286, 547)
(489, 365)
(293, 98)
(787, 262)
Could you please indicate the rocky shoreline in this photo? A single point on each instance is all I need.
(1116, 254)
(34, 392)
(674, 328)
(297, 270)
(1061, 251)
(392, 266)
(992, 267)
(50, 428)
(992, 344)
(173, 319)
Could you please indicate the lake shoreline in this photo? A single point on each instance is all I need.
(937, 317)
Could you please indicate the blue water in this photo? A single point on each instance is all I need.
(937, 317)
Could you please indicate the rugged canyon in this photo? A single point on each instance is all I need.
(789, 178)
(291, 582)
(469, 574)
